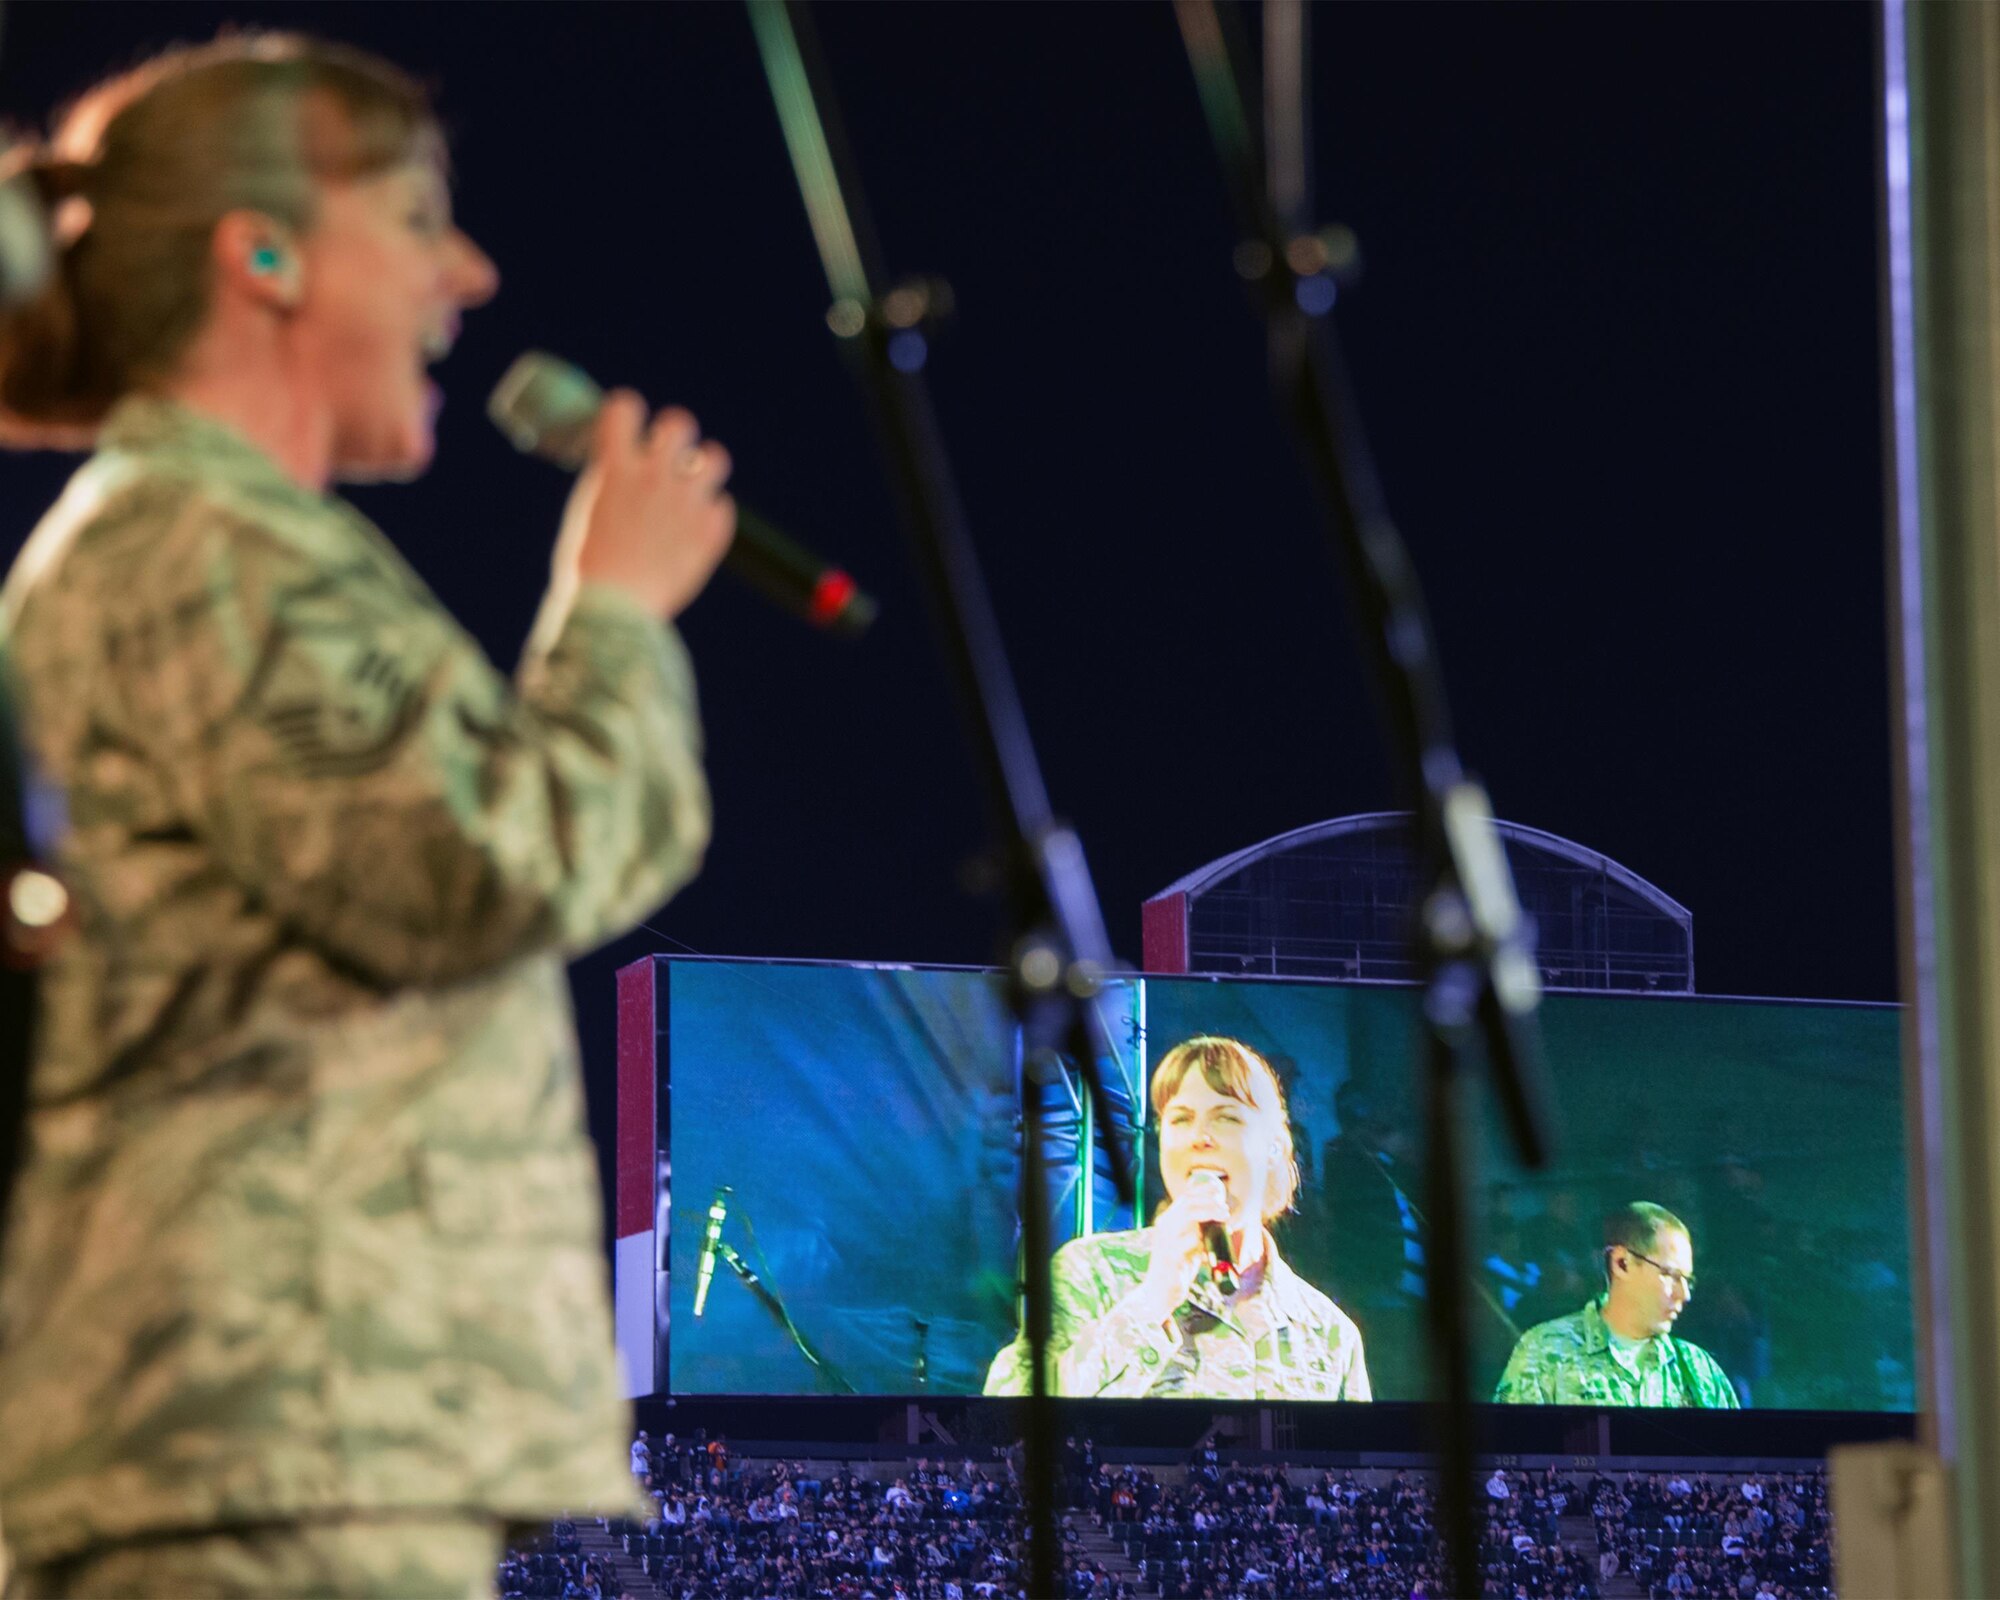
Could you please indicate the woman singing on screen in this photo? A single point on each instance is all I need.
(1144, 1313)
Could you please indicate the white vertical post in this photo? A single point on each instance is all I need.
(1919, 1522)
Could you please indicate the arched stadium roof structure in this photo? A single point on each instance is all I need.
(1333, 900)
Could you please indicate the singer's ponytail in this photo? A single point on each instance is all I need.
(134, 180)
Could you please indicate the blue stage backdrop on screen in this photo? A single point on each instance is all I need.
(864, 1122)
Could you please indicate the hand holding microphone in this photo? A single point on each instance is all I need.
(649, 513)
(1220, 1260)
(1190, 1238)
(554, 410)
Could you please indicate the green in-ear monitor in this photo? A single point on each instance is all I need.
(265, 260)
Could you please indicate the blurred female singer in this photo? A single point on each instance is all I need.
(1150, 1312)
(304, 1291)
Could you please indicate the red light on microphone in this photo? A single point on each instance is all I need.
(830, 596)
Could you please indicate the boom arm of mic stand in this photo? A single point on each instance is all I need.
(1061, 954)
(1058, 952)
(1482, 924)
(1471, 946)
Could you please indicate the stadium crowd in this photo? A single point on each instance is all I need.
(773, 1530)
(1696, 1536)
(778, 1530)
(1281, 1534)
(559, 1572)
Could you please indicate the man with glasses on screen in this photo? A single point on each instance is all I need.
(1620, 1349)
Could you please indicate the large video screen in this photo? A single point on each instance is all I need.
(838, 1157)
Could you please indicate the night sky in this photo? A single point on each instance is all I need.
(1616, 351)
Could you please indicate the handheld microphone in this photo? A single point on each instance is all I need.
(1215, 1240)
(711, 1240)
(548, 407)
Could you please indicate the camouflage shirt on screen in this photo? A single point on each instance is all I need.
(1287, 1342)
(1575, 1361)
(308, 1222)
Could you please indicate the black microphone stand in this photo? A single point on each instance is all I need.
(1057, 950)
(1479, 982)
(773, 1302)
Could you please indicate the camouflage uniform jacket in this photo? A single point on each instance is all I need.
(1573, 1362)
(1310, 1349)
(309, 1221)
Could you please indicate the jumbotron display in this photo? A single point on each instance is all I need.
(837, 1161)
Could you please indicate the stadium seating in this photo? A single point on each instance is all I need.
(921, 1530)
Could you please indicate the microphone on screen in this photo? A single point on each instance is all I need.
(1215, 1240)
(548, 408)
(711, 1247)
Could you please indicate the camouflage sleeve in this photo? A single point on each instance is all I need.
(1011, 1372)
(1713, 1387)
(1354, 1385)
(1526, 1380)
(353, 759)
(1097, 1349)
